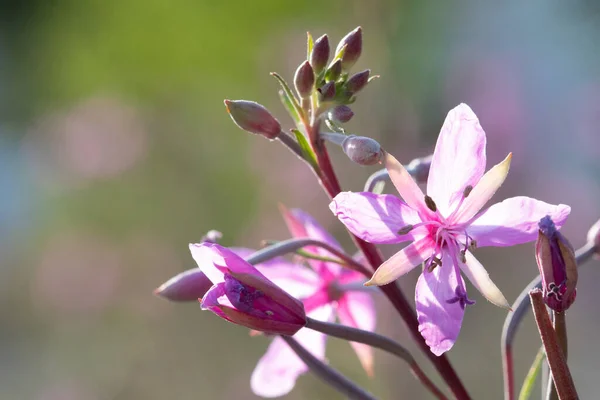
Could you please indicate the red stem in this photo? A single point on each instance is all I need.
(509, 386)
(331, 185)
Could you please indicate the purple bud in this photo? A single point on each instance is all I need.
(362, 150)
(190, 285)
(253, 117)
(358, 81)
(419, 168)
(327, 91)
(334, 71)
(341, 114)
(557, 264)
(593, 236)
(353, 43)
(320, 54)
(304, 80)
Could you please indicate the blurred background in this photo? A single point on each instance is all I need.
(116, 152)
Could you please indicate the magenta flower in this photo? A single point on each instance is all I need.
(445, 225)
(326, 291)
(244, 296)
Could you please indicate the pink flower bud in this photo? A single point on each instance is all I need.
(253, 117)
(189, 285)
(556, 261)
(341, 114)
(244, 296)
(334, 71)
(353, 43)
(327, 92)
(304, 80)
(320, 54)
(358, 81)
(593, 236)
(362, 150)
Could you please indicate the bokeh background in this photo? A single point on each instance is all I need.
(116, 152)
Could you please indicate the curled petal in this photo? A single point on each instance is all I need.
(375, 218)
(357, 309)
(405, 185)
(402, 262)
(482, 192)
(514, 221)
(439, 316)
(480, 278)
(459, 158)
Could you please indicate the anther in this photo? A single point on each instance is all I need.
(430, 203)
(467, 191)
(472, 244)
(463, 256)
(405, 230)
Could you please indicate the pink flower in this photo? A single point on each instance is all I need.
(242, 295)
(326, 291)
(445, 226)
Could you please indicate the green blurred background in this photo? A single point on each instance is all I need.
(116, 152)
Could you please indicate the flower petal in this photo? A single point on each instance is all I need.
(439, 320)
(357, 309)
(482, 192)
(514, 221)
(480, 278)
(402, 262)
(458, 160)
(204, 257)
(406, 186)
(277, 371)
(375, 218)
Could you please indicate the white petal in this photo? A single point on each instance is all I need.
(480, 278)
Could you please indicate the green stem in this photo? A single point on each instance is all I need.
(534, 371)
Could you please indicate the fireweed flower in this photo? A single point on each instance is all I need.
(558, 268)
(326, 289)
(445, 225)
(244, 296)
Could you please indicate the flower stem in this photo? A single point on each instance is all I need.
(290, 144)
(378, 341)
(560, 327)
(556, 359)
(326, 373)
(534, 371)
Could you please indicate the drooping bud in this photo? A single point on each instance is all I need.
(341, 114)
(334, 71)
(253, 117)
(362, 150)
(593, 236)
(557, 264)
(353, 48)
(320, 54)
(304, 80)
(327, 92)
(419, 168)
(189, 285)
(358, 81)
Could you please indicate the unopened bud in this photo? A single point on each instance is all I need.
(320, 54)
(353, 44)
(334, 71)
(327, 92)
(593, 236)
(557, 264)
(253, 117)
(362, 150)
(304, 80)
(419, 168)
(358, 81)
(341, 114)
(189, 285)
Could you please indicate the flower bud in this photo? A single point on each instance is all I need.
(419, 168)
(353, 44)
(327, 92)
(320, 54)
(341, 114)
(253, 117)
(358, 81)
(557, 264)
(593, 236)
(334, 71)
(362, 150)
(189, 285)
(304, 80)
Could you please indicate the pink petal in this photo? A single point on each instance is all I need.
(375, 218)
(205, 257)
(480, 278)
(458, 160)
(402, 262)
(439, 321)
(482, 192)
(514, 221)
(406, 185)
(357, 309)
(277, 371)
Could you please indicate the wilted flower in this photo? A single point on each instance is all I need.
(558, 268)
(244, 296)
(445, 225)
